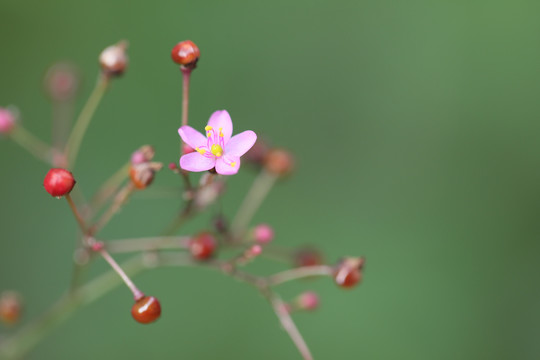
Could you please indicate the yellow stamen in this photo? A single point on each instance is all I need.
(200, 151)
(233, 164)
(216, 150)
(208, 128)
(220, 132)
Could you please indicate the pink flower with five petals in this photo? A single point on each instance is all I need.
(218, 149)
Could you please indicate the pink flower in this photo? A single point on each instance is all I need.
(218, 149)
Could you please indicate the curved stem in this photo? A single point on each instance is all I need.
(289, 326)
(75, 139)
(300, 273)
(32, 144)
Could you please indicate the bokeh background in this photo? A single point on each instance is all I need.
(415, 129)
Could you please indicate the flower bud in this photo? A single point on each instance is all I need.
(208, 194)
(142, 175)
(279, 162)
(114, 60)
(307, 257)
(263, 233)
(10, 307)
(348, 273)
(146, 310)
(203, 246)
(186, 53)
(59, 182)
(186, 149)
(257, 153)
(7, 121)
(144, 154)
(308, 301)
(62, 81)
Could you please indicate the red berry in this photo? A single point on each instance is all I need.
(203, 246)
(58, 182)
(349, 272)
(146, 310)
(186, 53)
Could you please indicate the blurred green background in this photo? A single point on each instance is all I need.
(415, 129)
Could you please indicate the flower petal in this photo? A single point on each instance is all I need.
(227, 165)
(240, 143)
(222, 120)
(191, 136)
(196, 162)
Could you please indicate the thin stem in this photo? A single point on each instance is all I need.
(119, 200)
(62, 112)
(288, 324)
(81, 125)
(76, 213)
(186, 75)
(299, 273)
(148, 244)
(253, 200)
(30, 335)
(32, 144)
(137, 294)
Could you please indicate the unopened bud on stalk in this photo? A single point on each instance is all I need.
(186, 54)
(263, 233)
(208, 194)
(257, 153)
(62, 81)
(279, 162)
(8, 120)
(142, 175)
(307, 256)
(348, 272)
(114, 60)
(308, 300)
(10, 307)
(143, 154)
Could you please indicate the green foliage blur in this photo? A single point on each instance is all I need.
(415, 126)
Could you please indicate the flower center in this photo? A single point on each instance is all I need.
(216, 150)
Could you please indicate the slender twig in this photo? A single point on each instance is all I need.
(32, 144)
(76, 213)
(253, 200)
(186, 75)
(137, 294)
(299, 273)
(147, 244)
(288, 324)
(81, 125)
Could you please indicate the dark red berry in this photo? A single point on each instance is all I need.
(203, 246)
(146, 310)
(349, 272)
(58, 182)
(186, 53)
